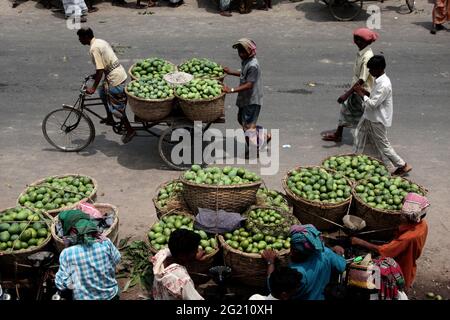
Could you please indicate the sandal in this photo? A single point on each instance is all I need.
(331, 137)
(128, 136)
(402, 170)
(108, 122)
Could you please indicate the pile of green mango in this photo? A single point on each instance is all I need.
(356, 167)
(317, 184)
(202, 68)
(160, 232)
(21, 228)
(200, 89)
(220, 176)
(150, 89)
(386, 193)
(272, 198)
(56, 193)
(152, 68)
(245, 240)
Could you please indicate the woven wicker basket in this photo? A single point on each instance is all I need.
(176, 202)
(9, 258)
(378, 219)
(136, 78)
(200, 267)
(352, 155)
(54, 212)
(150, 110)
(232, 198)
(207, 110)
(249, 268)
(112, 233)
(308, 212)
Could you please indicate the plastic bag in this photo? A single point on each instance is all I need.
(90, 210)
(221, 221)
(364, 274)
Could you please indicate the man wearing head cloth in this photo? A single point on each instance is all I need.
(313, 260)
(250, 89)
(409, 240)
(351, 103)
(87, 266)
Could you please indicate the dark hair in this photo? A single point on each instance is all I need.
(183, 241)
(85, 32)
(284, 279)
(377, 62)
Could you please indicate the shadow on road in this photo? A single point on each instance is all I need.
(139, 154)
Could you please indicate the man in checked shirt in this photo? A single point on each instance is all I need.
(87, 267)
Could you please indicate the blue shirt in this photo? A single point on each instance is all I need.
(89, 271)
(316, 274)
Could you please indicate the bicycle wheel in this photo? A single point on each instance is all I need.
(411, 5)
(175, 151)
(345, 10)
(68, 129)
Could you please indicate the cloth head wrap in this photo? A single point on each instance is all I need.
(306, 239)
(248, 44)
(366, 34)
(85, 228)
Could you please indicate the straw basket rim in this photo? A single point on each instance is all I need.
(383, 211)
(147, 100)
(222, 94)
(317, 204)
(42, 180)
(219, 187)
(134, 64)
(229, 248)
(183, 213)
(34, 248)
(97, 204)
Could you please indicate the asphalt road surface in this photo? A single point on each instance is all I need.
(306, 58)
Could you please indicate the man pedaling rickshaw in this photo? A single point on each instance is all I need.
(112, 92)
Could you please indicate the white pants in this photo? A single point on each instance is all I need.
(74, 7)
(378, 134)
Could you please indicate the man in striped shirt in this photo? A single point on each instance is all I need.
(87, 267)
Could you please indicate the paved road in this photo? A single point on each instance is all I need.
(298, 43)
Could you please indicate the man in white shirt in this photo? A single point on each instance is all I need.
(377, 116)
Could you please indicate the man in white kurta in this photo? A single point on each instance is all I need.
(377, 117)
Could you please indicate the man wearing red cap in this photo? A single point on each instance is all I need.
(351, 103)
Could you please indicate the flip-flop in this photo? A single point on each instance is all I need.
(331, 137)
(128, 137)
(402, 171)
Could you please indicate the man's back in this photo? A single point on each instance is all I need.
(406, 249)
(90, 270)
(316, 272)
(103, 57)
